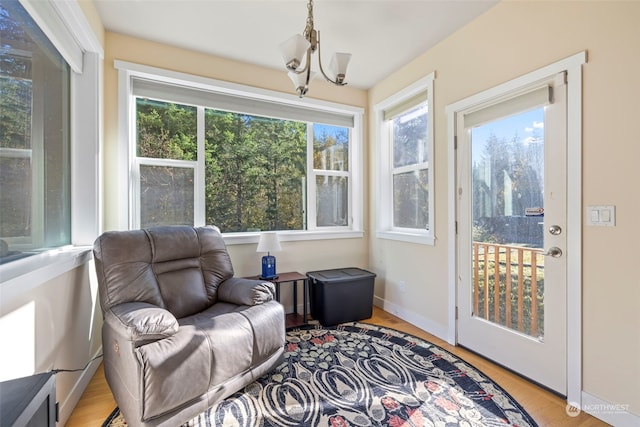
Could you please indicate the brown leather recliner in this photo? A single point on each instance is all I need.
(180, 332)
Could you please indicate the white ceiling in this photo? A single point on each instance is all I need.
(382, 35)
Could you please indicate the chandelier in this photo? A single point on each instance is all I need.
(295, 48)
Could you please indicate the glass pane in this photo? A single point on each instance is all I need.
(15, 196)
(255, 171)
(166, 130)
(330, 147)
(410, 137)
(411, 199)
(166, 196)
(332, 201)
(508, 210)
(34, 137)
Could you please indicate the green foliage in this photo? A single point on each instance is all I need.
(480, 234)
(254, 172)
(254, 167)
(166, 131)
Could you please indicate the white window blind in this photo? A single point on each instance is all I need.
(405, 105)
(528, 100)
(146, 88)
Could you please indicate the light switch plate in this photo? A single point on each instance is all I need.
(601, 215)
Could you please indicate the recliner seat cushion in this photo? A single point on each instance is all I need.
(209, 348)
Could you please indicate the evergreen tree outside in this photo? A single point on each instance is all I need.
(255, 167)
(507, 179)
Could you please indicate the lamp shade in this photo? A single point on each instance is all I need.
(269, 242)
(339, 64)
(293, 50)
(300, 81)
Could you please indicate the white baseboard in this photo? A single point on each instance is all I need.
(616, 414)
(69, 404)
(421, 322)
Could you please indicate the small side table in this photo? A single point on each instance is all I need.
(293, 277)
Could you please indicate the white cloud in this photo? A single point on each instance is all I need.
(528, 129)
(538, 125)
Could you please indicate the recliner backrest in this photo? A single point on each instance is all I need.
(178, 268)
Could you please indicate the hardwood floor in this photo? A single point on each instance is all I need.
(545, 407)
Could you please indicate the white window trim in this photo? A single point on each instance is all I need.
(74, 34)
(384, 185)
(126, 150)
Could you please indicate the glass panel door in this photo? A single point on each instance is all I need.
(507, 173)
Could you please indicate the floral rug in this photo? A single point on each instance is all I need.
(357, 374)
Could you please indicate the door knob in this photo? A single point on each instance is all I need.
(555, 230)
(554, 252)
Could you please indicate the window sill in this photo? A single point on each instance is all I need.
(27, 273)
(292, 236)
(421, 239)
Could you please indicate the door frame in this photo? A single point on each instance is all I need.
(573, 66)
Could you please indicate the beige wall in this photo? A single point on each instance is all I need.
(512, 39)
(296, 256)
(89, 9)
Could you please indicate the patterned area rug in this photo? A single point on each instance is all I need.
(357, 374)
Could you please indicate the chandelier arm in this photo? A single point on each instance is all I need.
(335, 82)
(308, 69)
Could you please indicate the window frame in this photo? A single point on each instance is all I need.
(313, 173)
(386, 170)
(128, 214)
(67, 27)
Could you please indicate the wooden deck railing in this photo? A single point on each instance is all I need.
(516, 302)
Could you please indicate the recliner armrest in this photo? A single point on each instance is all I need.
(241, 291)
(142, 322)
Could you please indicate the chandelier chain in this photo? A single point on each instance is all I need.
(308, 29)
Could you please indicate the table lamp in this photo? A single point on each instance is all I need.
(268, 243)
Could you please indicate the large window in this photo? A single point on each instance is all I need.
(35, 209)
(405, 164)
(201, 154)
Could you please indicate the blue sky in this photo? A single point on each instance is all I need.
(528, 126)
(319, 130)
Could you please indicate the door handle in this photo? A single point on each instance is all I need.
(554, 252)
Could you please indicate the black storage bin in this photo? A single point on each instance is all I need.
(341, 295)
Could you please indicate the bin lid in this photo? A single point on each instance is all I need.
(340, 274)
